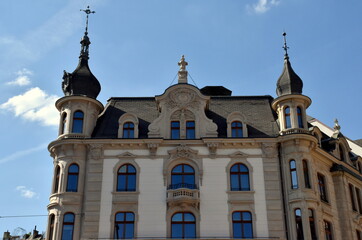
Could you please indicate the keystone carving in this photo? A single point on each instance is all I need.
(96, 151)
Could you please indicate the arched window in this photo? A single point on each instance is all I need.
(183, 225)
(351, 195)
(300, 117)
(341, 153)
(293, 174)
(312, 221)
(242, 225)
(128, 130)
(56, 180)
(175, 130)
(64, 121)
(51, 226)
(299, 224)
(72, 180)
(239, 178)
(78, 118)
(190, 130)
(68, 226)
(236, 129)
(288, 123)
(183, 176)
(328, 230)
(124, 225)
(126, 178)
(306, 174)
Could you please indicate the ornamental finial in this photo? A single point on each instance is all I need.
(182, 73)
(285, 47)
(336, 127)
(87, 11)
(182, 63)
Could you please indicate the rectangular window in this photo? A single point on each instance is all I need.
(190, 129)
(351, 194)
(359, 235)
(328, 230)
(359, 202)
(322, 187)
(175, 130)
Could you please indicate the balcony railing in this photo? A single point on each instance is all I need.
(182, 185)
(181, 196)
(295, 131)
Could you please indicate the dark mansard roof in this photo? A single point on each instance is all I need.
(259, 116)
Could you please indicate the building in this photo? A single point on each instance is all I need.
(200, 163)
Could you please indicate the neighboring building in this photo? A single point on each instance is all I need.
(199, 163)
(30, 236)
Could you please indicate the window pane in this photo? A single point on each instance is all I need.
(69, 218)
(245, 186)
(73, 168)
(235, 182)
(189, 217)
(190, 231)
(177, 169)
(129, 230)
(131, 183)
(246, 216)
(248, 230)
(188, 169)
(77, 122)
(120, 217)
(72, 183)
(129, 216)
(237, 230)
(177, 217)
(287, 118)
(236, 216)
(300, 119)
(131, 169)
(189, 179)
(243, 168)
(121, 183)
(234, 168)
(123, 169)
(176, 179)
(176, 230)
(67, 232)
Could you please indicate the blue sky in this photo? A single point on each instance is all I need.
(136, 45)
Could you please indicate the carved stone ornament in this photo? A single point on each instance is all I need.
(238, 155)
(126, 155)
(153, 148)
(269, 149)
(182, 98)
(96, 151)
(182, 151)
(212, 149)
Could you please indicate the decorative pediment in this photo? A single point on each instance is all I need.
(182, 151)
(238, 154)
(126, 155)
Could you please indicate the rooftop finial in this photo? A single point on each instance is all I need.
(182, 73)
(285, 47)
(337, 127)
(87, 11)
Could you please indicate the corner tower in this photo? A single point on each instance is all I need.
(290, 104)
(79, 107)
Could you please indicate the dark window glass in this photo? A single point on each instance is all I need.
(239, 178)
(328, 230)
(236, 129)
(306, 174)
(64, 121)
(183, 176)
(359, 235)
(359, 166)
(183, 225)
(293, 174)
(242, 225)
(68, 226)
(190, 129)
(78, 118)
(359, 202)
(175, 130)
(72, 181)
(124, 225)
(351, 194)
(288, 123)
(322, 187)
(56, 181)
(51, 226)
(341, 154)
(300, 118)
(128, 130)
(313, 233)
(126, 178)
(299, 224)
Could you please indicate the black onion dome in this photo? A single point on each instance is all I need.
(81, 81)
(289, 82)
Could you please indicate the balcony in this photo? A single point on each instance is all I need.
(295, 131)
(183, 194)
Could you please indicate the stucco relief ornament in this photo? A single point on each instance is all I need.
(181, 98)
(269, 149)
(96, 151)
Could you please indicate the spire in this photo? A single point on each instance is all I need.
(289, 82)
(82, 82)
(182, 73)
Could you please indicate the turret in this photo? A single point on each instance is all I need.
(290, 104)
(79, 107)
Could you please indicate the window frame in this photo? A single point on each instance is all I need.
(287, 118)
(173, 128)
(307, 183)
(328, 230)
(298, 224)
(243, 224)
(312, 224)
(68, 224)
(63, 123)
(127, 175)
(352, 197)
(190, 130)
(322, 187)
(56, 179)
(300, 117)
(78, 120)
(183, 223)
(69, 178)
(183, 174)
(293, 174)
(127, 131)
(236, 131)
(51, 226)
(358, 198)
(124, 223)
(240, 183)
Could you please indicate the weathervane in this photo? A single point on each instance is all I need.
(87, 11)
(285, 47)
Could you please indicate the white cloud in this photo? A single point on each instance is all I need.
(263, 6)
(22, 78)
(22, 153)
(34, 105)
(24, 192)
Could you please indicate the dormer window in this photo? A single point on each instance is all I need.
(341, 153)
(78, 118)
(175, 130)
(128, 130)
(300, 118)
(236, 129)
(288, 123)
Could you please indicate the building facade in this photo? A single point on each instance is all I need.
(199, 163)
